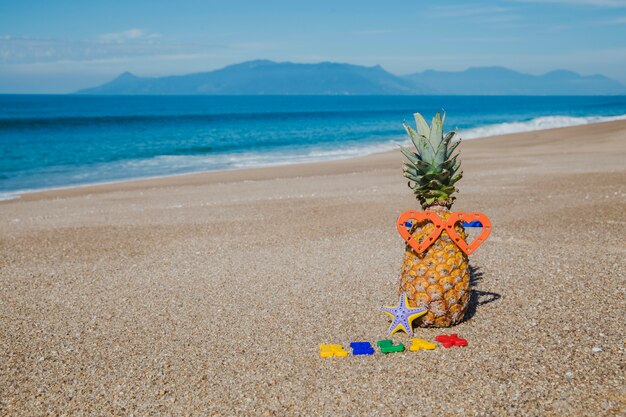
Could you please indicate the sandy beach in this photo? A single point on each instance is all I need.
(208, 294)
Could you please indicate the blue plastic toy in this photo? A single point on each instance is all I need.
(474, 223)
(362, 348)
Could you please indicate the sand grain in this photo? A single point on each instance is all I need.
(209, 293)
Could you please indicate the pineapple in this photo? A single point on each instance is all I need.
(438, 278)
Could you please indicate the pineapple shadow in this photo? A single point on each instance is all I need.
(477, 297)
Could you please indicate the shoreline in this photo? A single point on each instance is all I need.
(242, 174)
(209, 294)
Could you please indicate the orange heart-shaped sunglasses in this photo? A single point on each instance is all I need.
(440, 226)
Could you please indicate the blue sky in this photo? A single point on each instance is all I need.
(60, 46)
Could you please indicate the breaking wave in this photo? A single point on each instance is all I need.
(539, 123)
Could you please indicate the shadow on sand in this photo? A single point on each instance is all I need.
(477, 297)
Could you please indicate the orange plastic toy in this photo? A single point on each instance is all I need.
(419, 216)
(464, 217)
(431, 216)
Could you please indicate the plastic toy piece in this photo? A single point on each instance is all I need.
(387, 346)
(403, 315)
(361, 348)
(463, 217)
(418, 217)
(472, 224)
(419, 344)
(327, 351)
(452, 340)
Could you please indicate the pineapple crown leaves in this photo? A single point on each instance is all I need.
(432, 167)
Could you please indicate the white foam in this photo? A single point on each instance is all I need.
(539, 123)
(9, 196)
(171, 165)
(313, 154)
(195, 163)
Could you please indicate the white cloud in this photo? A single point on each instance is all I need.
(129, 45)
(375, 32)
(457, 10)
(127, 35)
(621, 20)
(492, 15)
(20, 50)
(594, 3)
(44, 58)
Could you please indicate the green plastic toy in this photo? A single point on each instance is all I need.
(387, 346)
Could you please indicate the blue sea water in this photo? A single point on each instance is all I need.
(59, 141)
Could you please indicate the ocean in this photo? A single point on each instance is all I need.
(55, 141)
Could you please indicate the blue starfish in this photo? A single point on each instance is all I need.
(403, 315)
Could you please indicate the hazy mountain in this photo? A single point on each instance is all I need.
(327, 78)
(267, 77)
(503, 81)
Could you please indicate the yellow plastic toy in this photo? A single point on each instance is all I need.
(419, 344)
(329, 350)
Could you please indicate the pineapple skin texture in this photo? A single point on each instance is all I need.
(438, 278)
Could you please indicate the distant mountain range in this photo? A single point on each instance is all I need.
(504, 81)
(328, 78)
